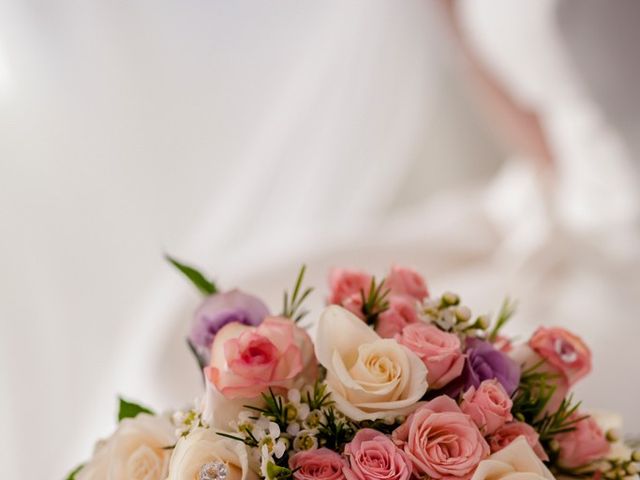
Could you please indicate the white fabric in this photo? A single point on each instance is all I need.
(231, 133)
(250, 137)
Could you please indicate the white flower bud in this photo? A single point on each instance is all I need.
(294, 396)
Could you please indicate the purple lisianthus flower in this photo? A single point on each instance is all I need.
(219, 310)
(485, 362)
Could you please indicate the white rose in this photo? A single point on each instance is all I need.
(137, 449)
(516, 461)
(369, 377)
(202, 447)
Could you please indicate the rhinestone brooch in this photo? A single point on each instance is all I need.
(213, 471)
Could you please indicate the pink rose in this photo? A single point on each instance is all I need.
(373, 456)
(404, 281)
(247, 360)
(345, 283)
(440, 351)
(506, 434)
(401, 312)
(564, 351)
(583, 445)
(442, 441)
(354, 304)
(489, 406)
(320, 464)
(503, 344)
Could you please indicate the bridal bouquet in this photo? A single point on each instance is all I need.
(398, 385)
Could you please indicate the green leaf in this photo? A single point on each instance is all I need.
(74, 472)
(275, 472)
(130, 410)
(201, 282)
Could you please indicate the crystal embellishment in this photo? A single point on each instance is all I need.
(213, 471)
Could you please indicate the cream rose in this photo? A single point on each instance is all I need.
(517, 461)
(369, 377)
(137, 449)
(203, 449)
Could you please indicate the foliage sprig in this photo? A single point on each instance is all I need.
(275, 409)
(375, 302)
(292, 303)
(532, 398)
(335, 431)
(507, 311)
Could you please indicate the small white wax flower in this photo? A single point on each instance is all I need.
(303, 412)
(447, 320)
(314, 419)
(274, 430)
(305, 440)
(264, 428)
(293, 429)
(265, 458)
(280, 448)
(294, 396)
(245, 416)
(178, 417)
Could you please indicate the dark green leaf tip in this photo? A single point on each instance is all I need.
(74, 472)
(130, 410)
(201, 282)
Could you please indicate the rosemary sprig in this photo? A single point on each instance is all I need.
(507, 310)
(561, 421)
(249, 440)
(292, 303)
(320, 397)
(335, 432)
(375, 302)
(533, 393)
(274, 409)
(532, 398)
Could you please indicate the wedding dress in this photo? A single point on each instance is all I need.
(565, 245)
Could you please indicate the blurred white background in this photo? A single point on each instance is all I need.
(250, 137)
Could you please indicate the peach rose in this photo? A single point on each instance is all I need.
(401, 312)
(489, 406)
(320, 464)
(203, 448)
(404, 281)
(373, 456)
(516, 461)
(564, 351)
(137, 449)
(369, 377)
(506, 434)
(440, 351)
(442, 441)
(345, 283)
(583, 445)
(246, 360)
